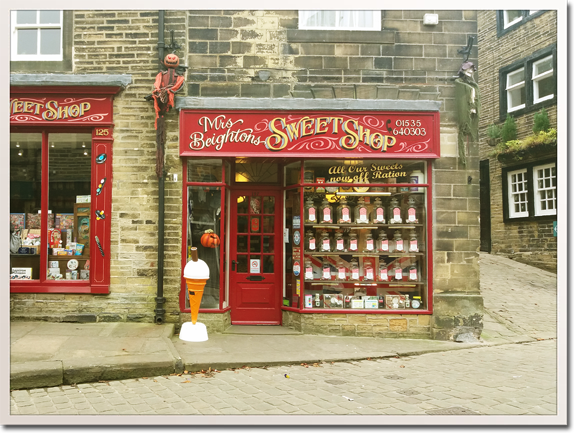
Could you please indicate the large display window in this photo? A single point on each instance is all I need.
(360, 237)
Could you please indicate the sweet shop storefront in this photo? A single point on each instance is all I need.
(319, 220)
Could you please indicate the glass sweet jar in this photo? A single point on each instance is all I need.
(369, 246)
(383, 271)
(339, 242)
(413, 274)
(361, 212)
(395, 212)
(383, 243)
(378, 212)
(343, 212)
(326, 212)
(310, 212)
(325, 242)
(326, 271)
(341, 271)
(353, 242)
(354, 267)
(398, 272)
(399, 243)
(412, 217)
(413, 243)
(308, 269)
(310, 241)
(369, 272)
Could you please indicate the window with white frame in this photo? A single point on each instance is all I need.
(508, 20)
(545, 189)
(340, 20)
(515, 90)
(531, 190)
(517, 194)
(36, 35)
(528, 84)
(543, 79)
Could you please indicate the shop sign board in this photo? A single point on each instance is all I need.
(301, 134)
(68, 110)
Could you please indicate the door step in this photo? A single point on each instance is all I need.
(260, 330)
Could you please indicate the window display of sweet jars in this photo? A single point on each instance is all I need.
(361, 212)
(310, 241)
(378, 212)
(310, 212)
(326, 212)
(343, 212)
(395, 212)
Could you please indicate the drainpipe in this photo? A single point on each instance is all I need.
(160, 300)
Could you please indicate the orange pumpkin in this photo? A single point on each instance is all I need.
(210, 240)
(171, 61)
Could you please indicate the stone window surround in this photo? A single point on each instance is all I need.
(530, 189)
(526, 63)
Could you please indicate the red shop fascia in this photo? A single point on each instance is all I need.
(305, 135)
(71, 109)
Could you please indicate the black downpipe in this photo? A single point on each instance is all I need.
(160, 300)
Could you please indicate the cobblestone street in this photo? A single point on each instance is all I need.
(510, 379)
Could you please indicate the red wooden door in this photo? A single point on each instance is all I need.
(256, 255)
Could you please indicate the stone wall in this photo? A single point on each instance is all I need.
(530, 242)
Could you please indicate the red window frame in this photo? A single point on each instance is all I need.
(99, 124)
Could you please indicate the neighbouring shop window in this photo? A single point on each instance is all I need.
(531, 191)
(340, 20)
(204, 213)
(364, 236)
(37, 35)
(528, 84)
(68, 205)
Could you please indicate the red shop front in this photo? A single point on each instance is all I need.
(60, 188)
(317, 211)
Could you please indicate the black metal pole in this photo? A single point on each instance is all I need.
(160, 300)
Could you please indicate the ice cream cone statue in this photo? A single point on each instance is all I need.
(196, 274)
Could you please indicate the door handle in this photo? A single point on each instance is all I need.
(233, 262)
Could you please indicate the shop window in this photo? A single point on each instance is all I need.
(528, 84)
(530, 191)
(340, 20)
(204, 213)
(361, 235)
(508, 20)
(62, 190)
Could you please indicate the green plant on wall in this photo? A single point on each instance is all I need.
(541, 122)
(543, 140)
(508, 131)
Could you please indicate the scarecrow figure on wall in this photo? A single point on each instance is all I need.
(467, 98)
(167, 83)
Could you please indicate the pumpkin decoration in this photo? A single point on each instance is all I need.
(210, 239)
(171, 61)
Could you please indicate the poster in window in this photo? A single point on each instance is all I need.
(82, 224)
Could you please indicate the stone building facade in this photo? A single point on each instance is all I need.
(224, 51)
(533, 36)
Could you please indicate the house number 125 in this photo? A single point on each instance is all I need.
(102, 132)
